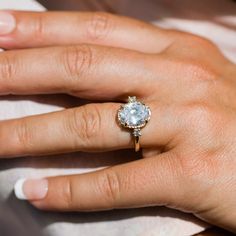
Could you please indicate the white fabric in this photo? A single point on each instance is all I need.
(21, 5)
(208, 18)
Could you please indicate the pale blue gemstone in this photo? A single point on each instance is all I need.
(134, 114)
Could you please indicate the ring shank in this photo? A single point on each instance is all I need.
(136, 144)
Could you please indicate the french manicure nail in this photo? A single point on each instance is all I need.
(31, 189)
(7, 23)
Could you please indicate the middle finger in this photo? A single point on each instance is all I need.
(86, 71)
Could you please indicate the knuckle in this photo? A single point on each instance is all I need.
(197, 76)
(85, 122)
(198, 71)
(200, 114)
(7, 68)
(24, 135)
(198, 168)
(200, 41)
(67, 194)
(194, 41)
(204, 124)
(77, 60)
(195, 170)
(90, 122)
(100, 25)
(39, 27)
(109, 187)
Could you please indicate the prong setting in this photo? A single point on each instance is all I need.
(134, 115)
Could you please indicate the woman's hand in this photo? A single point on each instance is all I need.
(189, 146)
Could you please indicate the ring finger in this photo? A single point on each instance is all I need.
(92, 127)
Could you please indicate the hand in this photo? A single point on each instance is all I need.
(189, 154)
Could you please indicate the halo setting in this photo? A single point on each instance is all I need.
(134, 115)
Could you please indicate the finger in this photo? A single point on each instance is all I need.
(37, 29)
(93, 72)
(90, 128)
(146, 182)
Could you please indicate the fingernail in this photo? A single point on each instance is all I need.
(7, 23)
(31, 189)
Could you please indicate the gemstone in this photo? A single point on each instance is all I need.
(134, 114)
(137, 133)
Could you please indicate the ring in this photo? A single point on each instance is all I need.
(134, 115)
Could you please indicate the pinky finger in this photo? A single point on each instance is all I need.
(123, 186)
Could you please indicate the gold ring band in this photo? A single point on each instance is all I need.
(136, 144)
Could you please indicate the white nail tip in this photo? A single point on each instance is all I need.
(18, 189)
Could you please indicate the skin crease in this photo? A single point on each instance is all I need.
(189, 154)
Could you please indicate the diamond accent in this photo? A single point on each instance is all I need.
(134, 114)
(137, 133)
